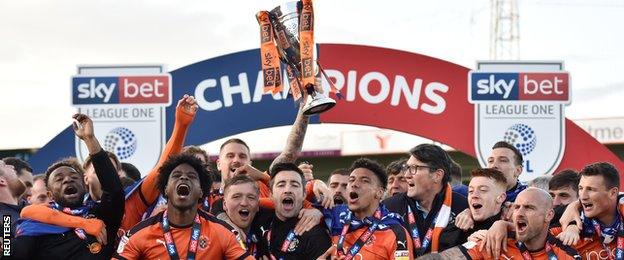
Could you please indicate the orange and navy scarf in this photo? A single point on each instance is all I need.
(432, 236)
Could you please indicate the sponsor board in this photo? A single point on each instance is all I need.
(522, 104)
(127, 105)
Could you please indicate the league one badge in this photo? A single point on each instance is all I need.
(287, 35)
(127, 104)
(522, 103)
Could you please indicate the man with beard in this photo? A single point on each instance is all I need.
(365, 229)
(563, 187)
(11, 188)
(600, 233)
(235, 157)
(338, 181)
(429, 206)
(531, 217)
(241, 205)
(36, 240)
(277, 230)
(486, 194)
(143, 196)
(24, 173)
(181, 231)
(396, 178)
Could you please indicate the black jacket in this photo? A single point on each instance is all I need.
(310, 245)
(481, 225)
(68, 245)
(451, 235)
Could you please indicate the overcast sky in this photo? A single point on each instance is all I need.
(41, 42)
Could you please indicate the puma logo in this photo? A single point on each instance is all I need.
(161, 242)
(402, 243)
(506, 257)
(263, 231)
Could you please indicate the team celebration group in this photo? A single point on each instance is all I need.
(415, 207)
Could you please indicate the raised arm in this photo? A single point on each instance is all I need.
(111, 206)
(295, 140)
(45, 214)
(185, 113)
(138, 201)
(104, 168)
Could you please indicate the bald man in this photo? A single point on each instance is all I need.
(531, 217)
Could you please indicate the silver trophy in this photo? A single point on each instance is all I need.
(285, 22)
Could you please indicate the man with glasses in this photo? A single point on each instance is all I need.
(429, 206)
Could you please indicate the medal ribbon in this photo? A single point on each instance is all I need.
(619, 252)
(420, 248)
(81, 211)
(289, 238)
(171, 248)
(551, 242)
(359, 243)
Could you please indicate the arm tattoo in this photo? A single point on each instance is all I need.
(452, 253)
(294, 141)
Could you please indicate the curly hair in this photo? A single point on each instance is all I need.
(59, 164)
(174, 161)
(372, 166)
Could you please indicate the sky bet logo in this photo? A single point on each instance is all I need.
(121, 90)
(500, 86)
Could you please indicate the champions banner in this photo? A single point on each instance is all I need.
(387, 88)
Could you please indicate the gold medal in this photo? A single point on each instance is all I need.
(95, 247)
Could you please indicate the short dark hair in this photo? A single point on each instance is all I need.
(18, 164)
(111, 155)
(435, 156)
(174, 161)
(126, 181)
(192, 149)
(395, 167)
(606, 170)
(494, 174)
(456, 172)
(563, 179)
(502, 144)
(372, 166)
(59, 164)
(340, 171)
(236, 141)
(131, 171)
(75, 162)
(240, 179)
(280, 167)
